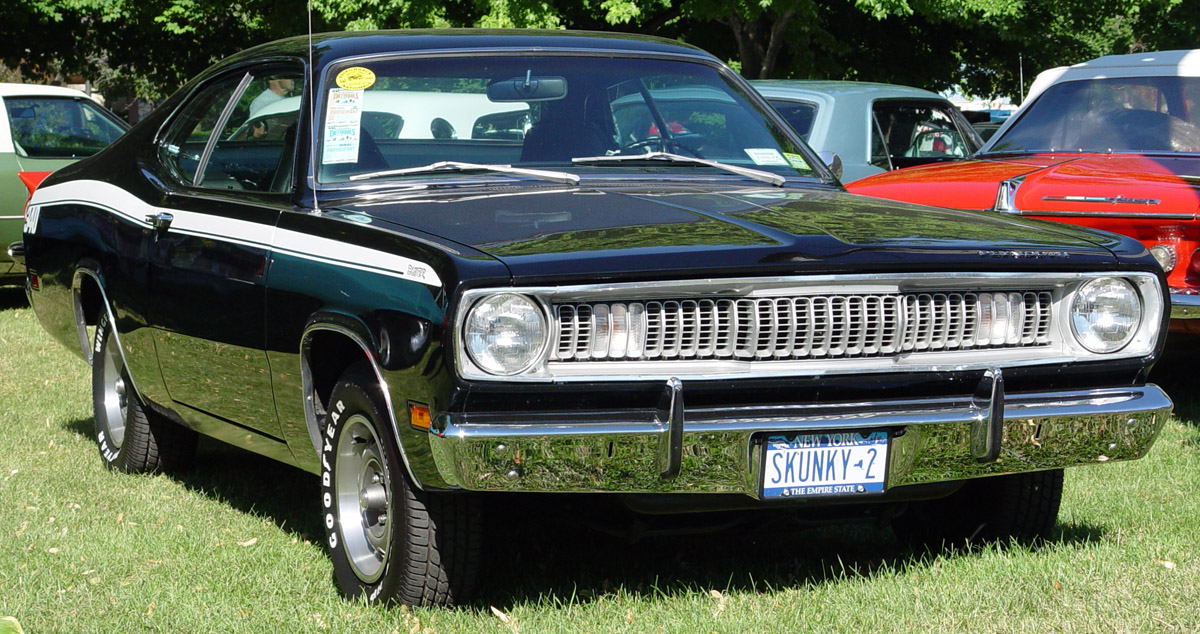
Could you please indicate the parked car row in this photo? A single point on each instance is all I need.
(613, 270)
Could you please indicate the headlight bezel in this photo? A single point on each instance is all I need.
(540, 346)
(1088, 339)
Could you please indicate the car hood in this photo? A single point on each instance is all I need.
(1119, 184)
(598, 233)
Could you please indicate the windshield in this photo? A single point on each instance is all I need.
(1126, 114)
(59, 127)
(542, 112)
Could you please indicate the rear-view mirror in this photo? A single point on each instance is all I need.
(528, 88)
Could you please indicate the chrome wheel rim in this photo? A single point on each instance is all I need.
(115, 396)
(362, 482)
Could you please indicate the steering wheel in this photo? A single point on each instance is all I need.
(674, 144)
(949, 142)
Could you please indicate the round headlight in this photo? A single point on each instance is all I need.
(1105, 314)
(1165, 254)
(505, 334)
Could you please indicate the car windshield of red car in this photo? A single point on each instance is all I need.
(1125, 114)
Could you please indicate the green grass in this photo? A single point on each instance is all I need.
(233, 546)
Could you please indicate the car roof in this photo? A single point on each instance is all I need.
(36, 90)
(1180, 63)
(797, 87)
(331, 47)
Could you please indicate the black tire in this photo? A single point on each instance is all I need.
(426, 549)
(130, 437)
(1021, 507)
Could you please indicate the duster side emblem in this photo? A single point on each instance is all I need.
(1102, 199)
(1022, 255)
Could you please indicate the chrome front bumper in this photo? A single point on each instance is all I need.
(717, 450)
(1185, 306)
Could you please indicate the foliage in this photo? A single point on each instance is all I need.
(148, 48)
(10, 625)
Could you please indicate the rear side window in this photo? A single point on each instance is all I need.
(798, 114)
(59, 127)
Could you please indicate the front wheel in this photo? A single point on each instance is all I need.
(388, 541)
(1021, 507)
(130, 438)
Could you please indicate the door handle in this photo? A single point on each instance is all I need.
(160, 221)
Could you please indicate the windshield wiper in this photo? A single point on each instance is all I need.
(669, 157)
(457, 166)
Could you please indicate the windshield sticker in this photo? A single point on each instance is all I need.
(355, 78)
(796, 160)
(765, 156)
(342, 120)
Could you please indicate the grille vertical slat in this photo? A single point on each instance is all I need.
(810, 326)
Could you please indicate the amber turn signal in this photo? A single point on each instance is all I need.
(418, 416)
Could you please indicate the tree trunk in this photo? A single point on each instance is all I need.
(758, 58)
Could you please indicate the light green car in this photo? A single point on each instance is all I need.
(42, 128)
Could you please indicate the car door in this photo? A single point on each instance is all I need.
(210, 249)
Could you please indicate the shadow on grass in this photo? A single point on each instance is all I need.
(257, 485)
(542, 548)
(531, 557)
(12, 297)
(249, 483)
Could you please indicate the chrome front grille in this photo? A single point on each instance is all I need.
(800, 327)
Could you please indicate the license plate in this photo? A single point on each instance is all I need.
(833, 463)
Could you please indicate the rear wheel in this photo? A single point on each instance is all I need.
(388, 541)
(1021, 507)
(129, 437)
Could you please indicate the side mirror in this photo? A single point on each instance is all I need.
(833, 161)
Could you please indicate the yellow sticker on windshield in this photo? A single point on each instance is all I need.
(355, 78)
(796, 160)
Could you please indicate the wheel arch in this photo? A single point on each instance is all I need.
(331, 344)
(89, 301)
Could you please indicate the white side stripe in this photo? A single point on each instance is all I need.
(121, 203)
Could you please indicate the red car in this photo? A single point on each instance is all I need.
(1113, 144)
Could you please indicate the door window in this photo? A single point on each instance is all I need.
(254, 150)
(915, 132)
(237, 134)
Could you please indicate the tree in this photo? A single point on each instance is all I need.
(150, 47)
